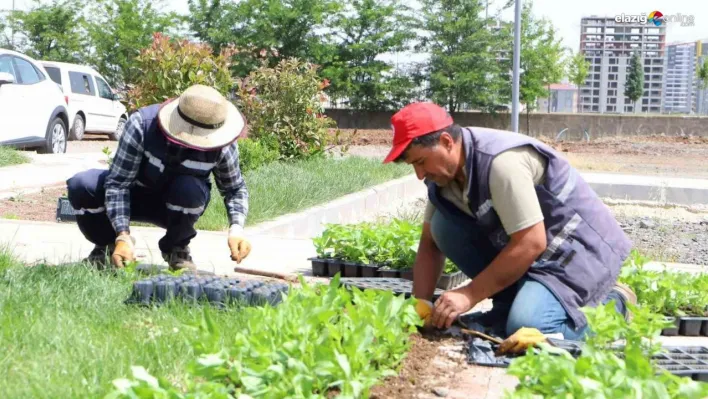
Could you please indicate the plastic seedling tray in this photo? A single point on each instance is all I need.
(398, 286)
(407, 274)
(334, 266)
(389, 273)
(691, 326)
(65, 212)
(319, 266)
(165, 291)
(190, 290)
(350, 269)
(216, 291)
(672, 331)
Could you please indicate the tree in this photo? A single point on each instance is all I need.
(578, 68)
(634, 87)
(53, 31)
(274, 28)
(702, 75)
(5, 41)
(541, 59)
(363, 31)
(119, 29)
(463, 68)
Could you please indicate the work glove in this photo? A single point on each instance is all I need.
(124, 251)
(238, 244)
(424, 309)
(521, 340)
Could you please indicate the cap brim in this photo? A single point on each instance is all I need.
(181, 132)
(396, 151)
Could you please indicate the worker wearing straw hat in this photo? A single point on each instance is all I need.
(160, 175)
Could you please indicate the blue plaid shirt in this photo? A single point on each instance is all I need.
(126, 164)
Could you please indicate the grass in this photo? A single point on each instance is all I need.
(65, 332)
(10, 156)
(281, 188)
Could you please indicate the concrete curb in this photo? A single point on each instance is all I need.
(665, 190)
(351, 208)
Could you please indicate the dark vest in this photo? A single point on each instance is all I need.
(585, 245)
(163, 160)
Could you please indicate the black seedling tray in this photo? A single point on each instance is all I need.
(65, 212)
(217, 291)
(688, 327)
(330, 267)
(682, 361)
(397, 285)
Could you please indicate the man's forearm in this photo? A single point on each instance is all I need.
(427, 267)
(118, 209)
(512, 262)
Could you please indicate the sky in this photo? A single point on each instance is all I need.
(565, 17)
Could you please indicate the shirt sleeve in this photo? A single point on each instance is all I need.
(229, 180)
(512, 180)
(123, 170)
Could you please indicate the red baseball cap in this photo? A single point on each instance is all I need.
(414, 120)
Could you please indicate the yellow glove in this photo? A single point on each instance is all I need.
(424, 309)
(124, 252)
(521, 340)
(239, 246)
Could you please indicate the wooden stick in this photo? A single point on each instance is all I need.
(282, 276)
(482, 335)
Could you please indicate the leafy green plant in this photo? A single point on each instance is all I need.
(255, 153)
(604, 370)
(319, 339)
(283, 105)
(171, 66)
(393, 244)
(670, 293)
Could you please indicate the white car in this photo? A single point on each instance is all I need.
(93, 106)
(33, 113)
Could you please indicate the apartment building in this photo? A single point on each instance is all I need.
(682, 91)
(608, 46)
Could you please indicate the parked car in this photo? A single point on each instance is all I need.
(33, 113)
(93, 105)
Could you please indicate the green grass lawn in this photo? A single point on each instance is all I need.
(10, 156)
(65, 332)
(281, 188)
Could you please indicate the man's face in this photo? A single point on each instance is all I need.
(438, 163)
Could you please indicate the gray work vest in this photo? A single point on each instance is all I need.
(163, 160)
(585, 245)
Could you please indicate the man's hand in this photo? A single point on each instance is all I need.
(124, 252)
(521, 340)
(424, 309)
(450, 305)
(240, 248)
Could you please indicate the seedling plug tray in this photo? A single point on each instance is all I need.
(220, 292)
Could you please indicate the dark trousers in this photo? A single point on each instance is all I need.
(176, 208)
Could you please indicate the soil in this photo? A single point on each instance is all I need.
(682, 156)
(40, 206)
(436, 367)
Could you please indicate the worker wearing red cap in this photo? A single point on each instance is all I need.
(516, 218)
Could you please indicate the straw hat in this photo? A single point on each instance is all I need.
(201, 118)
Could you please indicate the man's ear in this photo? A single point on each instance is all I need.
(446, 141)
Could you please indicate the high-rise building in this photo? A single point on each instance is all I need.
(608, 46)
(682, 88)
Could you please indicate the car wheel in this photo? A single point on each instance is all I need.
(56, 138)
(78, 130)
(119, 129)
